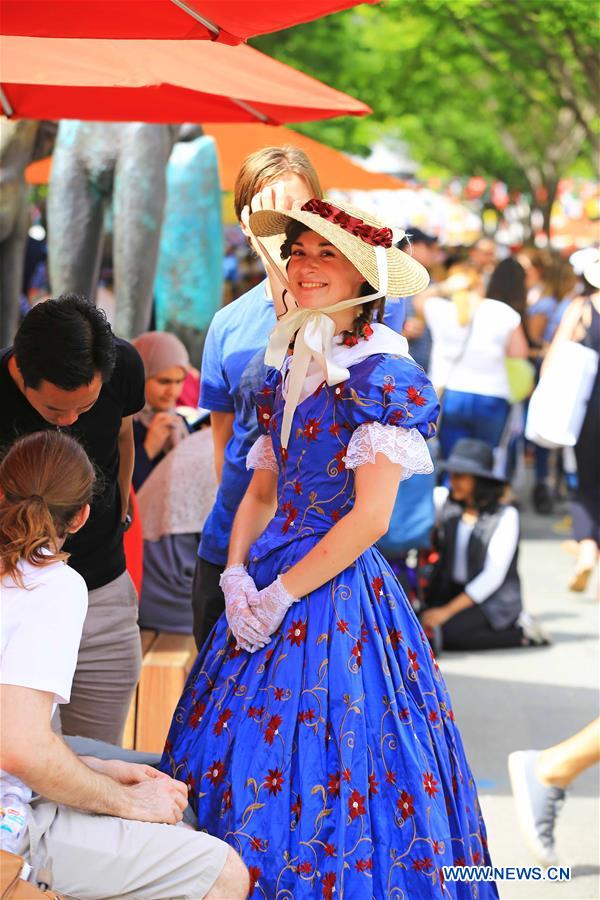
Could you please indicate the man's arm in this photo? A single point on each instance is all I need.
(32, 752)
(222, 429)
(126, 461)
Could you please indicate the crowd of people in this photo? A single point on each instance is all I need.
(366, 356)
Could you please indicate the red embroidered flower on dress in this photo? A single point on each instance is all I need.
(279, 693)
(329, 849)
(433, 716)
(476, 857)
(271, 729)
(373, 785)
(334, 429)
(347, 775)
(196, 714)
(274, 781)
(404, 714)
(413, 660)
(423, 863)
(405, 804)
(414, 396)
(430, 784)
(336, 515)
(356, 804)
(390, 777)
(377, 585)
(396, 417)
(364, 865)
(297, 487)
(311, 430)
(254, 872)
(227, 798)
(339, 457)
(328, 882)
(437, 847)
(256, 843)
(307, 716)
(357, 653)
(297, 633)
(297, 807)
(222, 721)
(305, 868)
(191, 783)
(264, 415)
(255, 712)
(291, 513)
(459, 861)
(334, 784)
(342, 626)
(388, 388)
(216, 772)
(283, 451)
(395, 637)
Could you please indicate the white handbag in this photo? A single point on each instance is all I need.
(558, 405)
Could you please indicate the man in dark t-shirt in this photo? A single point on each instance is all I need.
(67, 370)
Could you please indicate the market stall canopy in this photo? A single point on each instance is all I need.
(227, 21)
(158, 81)
(235, 142)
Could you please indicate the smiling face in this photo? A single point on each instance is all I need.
(319, 275)
(60, 407)
(162, 390)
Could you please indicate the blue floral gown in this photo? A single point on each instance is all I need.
(330, 759)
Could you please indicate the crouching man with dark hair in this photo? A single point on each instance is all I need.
(67, 370)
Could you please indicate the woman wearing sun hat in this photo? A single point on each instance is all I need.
(315, 732)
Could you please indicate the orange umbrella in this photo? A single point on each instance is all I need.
(228, 21)
(158, 81)
(335, 170)
(235, 142)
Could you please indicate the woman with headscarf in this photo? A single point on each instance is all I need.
(157, 428)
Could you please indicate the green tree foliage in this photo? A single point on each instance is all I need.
(502, 88)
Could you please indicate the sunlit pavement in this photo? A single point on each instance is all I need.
(517, 699)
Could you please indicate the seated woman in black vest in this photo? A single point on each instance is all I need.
(474, 598)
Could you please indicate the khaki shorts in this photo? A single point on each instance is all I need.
(92, 857)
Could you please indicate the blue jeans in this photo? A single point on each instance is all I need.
(467, 415)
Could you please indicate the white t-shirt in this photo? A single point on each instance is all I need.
(475, 361)
(40, 632)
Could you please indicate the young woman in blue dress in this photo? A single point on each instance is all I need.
(315, 732)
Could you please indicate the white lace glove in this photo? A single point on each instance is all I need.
(239, 588)
(271, 604)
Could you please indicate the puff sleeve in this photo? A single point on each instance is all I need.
(261, 455)
(393, 410)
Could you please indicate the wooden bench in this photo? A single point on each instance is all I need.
(167, 660)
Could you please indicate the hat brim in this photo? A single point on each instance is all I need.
(406, 276)
(466, 467)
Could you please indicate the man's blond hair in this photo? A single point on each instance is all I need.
(269, 164)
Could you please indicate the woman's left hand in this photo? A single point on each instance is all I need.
(271, 604)
(435, 618)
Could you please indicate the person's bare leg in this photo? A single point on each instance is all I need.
(233, 883)
(587, 557)
(558, 766)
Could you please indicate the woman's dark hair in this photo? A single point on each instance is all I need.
(507, 284)
(67, 342)
(487, 494)
(45, 479)
(370, 309)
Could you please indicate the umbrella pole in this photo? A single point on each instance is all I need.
(8, 110)
(253, 112)
(214, 29)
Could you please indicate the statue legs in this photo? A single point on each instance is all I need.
(75, 214)
(139, 198)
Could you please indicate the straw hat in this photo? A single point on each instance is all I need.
(356, 234)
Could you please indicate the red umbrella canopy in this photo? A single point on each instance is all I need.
(228, 21)
(158, 81)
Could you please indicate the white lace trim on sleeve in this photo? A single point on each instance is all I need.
(261, 455)
(405, 446)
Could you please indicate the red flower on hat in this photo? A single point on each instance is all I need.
(376, 237)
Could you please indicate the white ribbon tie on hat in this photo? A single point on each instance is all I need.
(314, 330)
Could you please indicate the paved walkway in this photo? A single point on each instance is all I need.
(517, 699)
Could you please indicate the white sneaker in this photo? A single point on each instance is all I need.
(537, 805)
(533, 631)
